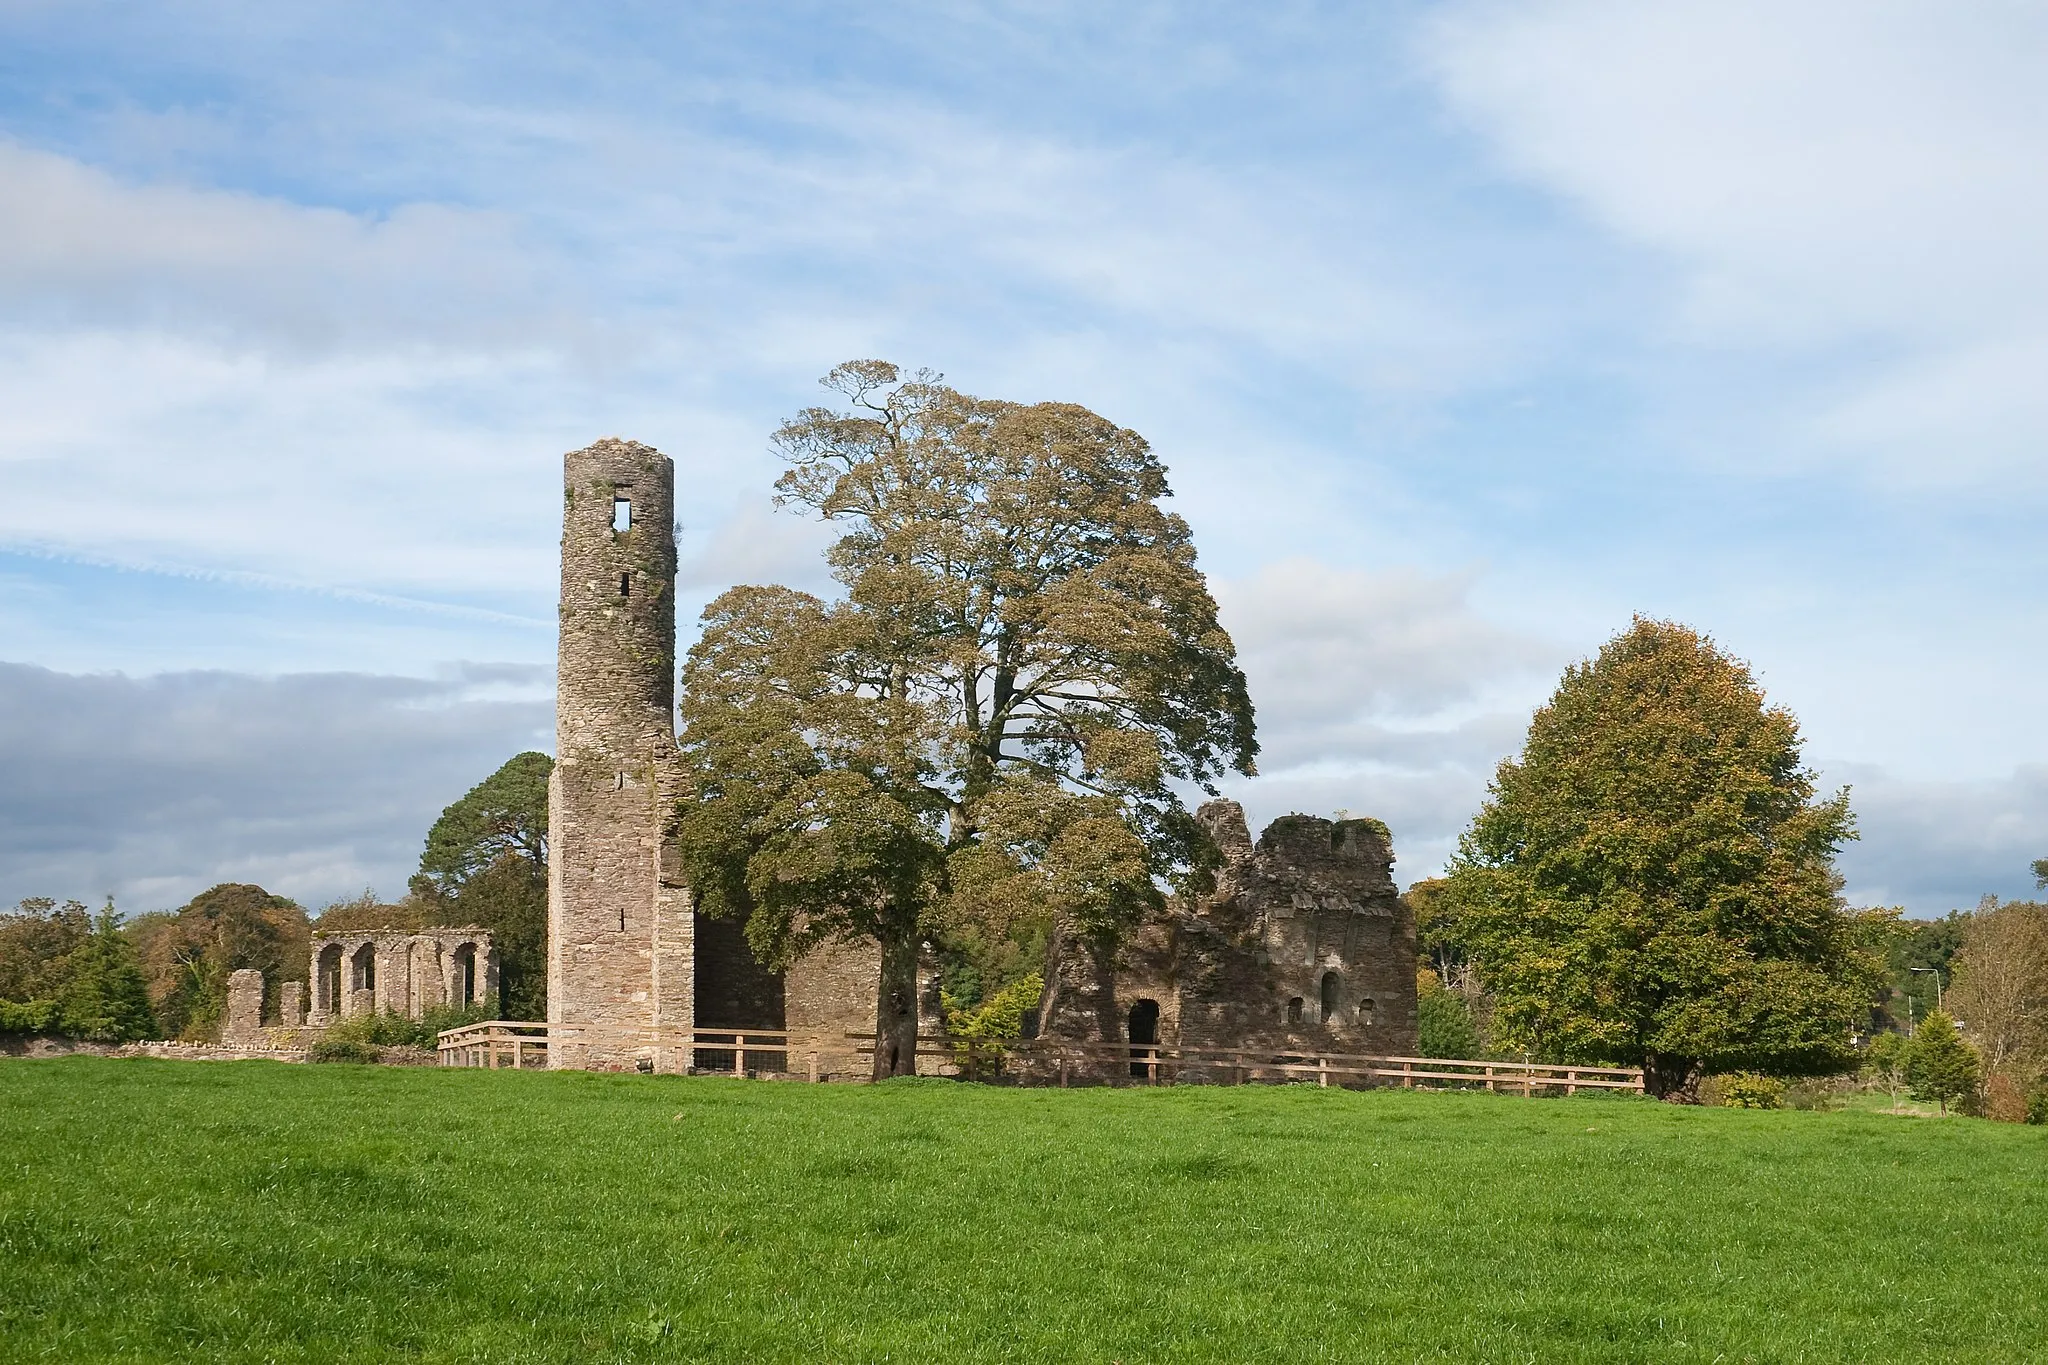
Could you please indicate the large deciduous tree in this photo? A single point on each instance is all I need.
(1652, 881)
(991, 721)
(2000, 987)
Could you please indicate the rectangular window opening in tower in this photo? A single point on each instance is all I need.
(625, 585)
(622, 513)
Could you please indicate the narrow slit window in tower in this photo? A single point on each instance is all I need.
(625, 585)
(622, 919)
(622, 513)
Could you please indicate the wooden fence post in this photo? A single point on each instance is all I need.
(1323, 1072)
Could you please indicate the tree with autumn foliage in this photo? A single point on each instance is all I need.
(1652, 881)
(991, 722)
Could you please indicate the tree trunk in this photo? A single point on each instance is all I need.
(896, 1009)
(1675, 1079)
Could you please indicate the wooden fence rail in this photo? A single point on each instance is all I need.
(741, 1052)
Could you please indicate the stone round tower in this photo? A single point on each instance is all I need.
(619, 938)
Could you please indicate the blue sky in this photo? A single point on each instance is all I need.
(1466, 330)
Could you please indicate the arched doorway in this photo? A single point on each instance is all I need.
(327, 981)
(363, 975)
(1333, 985)
(1144, 1037)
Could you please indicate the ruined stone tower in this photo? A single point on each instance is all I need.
(620, 952)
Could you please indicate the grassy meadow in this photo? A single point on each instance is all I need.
(250, 1211)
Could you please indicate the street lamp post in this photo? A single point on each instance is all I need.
(1937, 983)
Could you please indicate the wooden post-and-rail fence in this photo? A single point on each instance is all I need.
(742, 1052)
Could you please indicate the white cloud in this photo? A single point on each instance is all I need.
(80, 248)
(1831, 175)
(1383, 693)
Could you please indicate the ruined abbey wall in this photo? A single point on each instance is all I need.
(1304, 947)
(394, 971)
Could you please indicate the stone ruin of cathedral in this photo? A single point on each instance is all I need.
(1303, 947)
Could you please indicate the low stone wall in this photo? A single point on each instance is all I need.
(16, 1046)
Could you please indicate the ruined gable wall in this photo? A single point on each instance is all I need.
(1312, 898)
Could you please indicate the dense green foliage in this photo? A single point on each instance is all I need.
(1652, 881)
(1444, 1024)
(996, 721)
(1747, 1090)
(71, 974)
(980, 1031)
(1919, 952)
(312, 1214)
(1940, 1064)
(486, 864)
(384, 1028)
(505, 813)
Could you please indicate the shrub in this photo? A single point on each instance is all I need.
(386, 1028)
(2004, 1098)
(380, 1028)
(2037, 1105)
(332, 1049)
(979, 1034)
(1748, 1090)
(1818, 1093)
(30, 1016)
(1444, 1024)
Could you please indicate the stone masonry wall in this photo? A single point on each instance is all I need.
(398, 972)
(245, 1007)
(1304, 946)
(620, 932)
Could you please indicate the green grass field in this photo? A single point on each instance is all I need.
(248, 1211)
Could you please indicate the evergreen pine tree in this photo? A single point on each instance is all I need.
(1940, 1065)
(106, 1000)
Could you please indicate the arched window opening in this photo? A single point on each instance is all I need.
(1365, 1012)
(1294, 1010)
(1331, 985)
(465, 974)
(1144, 1035)
(327, 983)
(365, 974)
